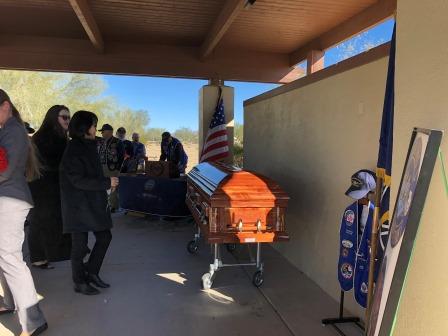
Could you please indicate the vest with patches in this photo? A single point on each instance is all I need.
(354, 252)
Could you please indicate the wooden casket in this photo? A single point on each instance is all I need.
(234, 206)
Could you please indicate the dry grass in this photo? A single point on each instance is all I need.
(153, 152)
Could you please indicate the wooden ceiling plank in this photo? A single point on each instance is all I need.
(358, 23)
(85, 16)
(225, 18)
(76, 55)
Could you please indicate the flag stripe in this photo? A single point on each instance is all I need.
(218, 156)
(221, 150)
(215, 140)
(215, 146)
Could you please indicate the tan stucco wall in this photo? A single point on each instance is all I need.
(422, 100)
(310, 140)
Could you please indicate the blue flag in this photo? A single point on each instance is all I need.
(384, 165)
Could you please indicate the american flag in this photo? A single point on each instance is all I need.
(216, 144)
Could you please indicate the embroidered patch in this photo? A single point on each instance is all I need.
(344, 252)
(347, 243)
(347, 270)
(364, 288)
(349, 217)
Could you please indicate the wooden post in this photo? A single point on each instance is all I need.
(374, 245)
(315, 61)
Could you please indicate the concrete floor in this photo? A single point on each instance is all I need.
(156, 290)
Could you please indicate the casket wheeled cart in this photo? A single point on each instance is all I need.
(233, 206)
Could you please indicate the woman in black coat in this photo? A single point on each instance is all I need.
(84, 202)
(46, 240)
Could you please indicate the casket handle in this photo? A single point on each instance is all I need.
(259, 225)
(240, 225)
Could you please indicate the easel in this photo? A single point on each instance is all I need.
(341, 319)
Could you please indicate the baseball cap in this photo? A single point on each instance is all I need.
(363, 182)
(106, 127)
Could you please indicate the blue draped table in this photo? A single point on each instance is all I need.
(154, 195)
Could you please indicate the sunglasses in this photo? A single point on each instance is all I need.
(64, 117)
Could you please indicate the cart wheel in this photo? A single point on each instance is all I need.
(207, 281)
(192, 247)
(231, 247)
(258, 279)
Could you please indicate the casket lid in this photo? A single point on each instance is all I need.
(225, 182)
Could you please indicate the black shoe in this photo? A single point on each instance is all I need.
(40, 330)
(96, 280)
(86, 289)
(44, 266)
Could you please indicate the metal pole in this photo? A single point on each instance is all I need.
(216, 251)
(374, 244)
(341, 305)
(258, 255)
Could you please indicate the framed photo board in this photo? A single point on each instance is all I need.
(415, 180)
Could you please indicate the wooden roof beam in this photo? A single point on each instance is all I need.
(228, 14)
(84, 14)
(372, 15)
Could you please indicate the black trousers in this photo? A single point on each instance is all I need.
(79, 251)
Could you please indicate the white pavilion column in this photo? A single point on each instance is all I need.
(208, 97)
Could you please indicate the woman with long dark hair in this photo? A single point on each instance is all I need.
(15, 203)
(46, 240)
(84, 202)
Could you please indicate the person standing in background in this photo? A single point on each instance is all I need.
(46, 240)
(139, 151)
(121, 135)
(15, 203)
(173, 151)
(128, 149)
(112, 156)
(84, 202)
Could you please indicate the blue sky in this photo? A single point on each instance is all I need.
(173, 103)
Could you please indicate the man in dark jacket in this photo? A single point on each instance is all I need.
(111, 152)
(128, 150)
(173, 151)
(121, 135)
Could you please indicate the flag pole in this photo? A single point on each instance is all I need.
(374, 244)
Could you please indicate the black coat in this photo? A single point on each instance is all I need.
(46, 218)
(83, 189)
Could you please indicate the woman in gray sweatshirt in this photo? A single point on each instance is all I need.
(15, 203)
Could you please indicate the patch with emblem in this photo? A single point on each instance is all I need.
(349, 217)
(364, 288)
(347, 270)
(344, 252)
(347, 243)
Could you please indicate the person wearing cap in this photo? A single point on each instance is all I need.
(354, 236)
(173, 151)
(111, 151)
